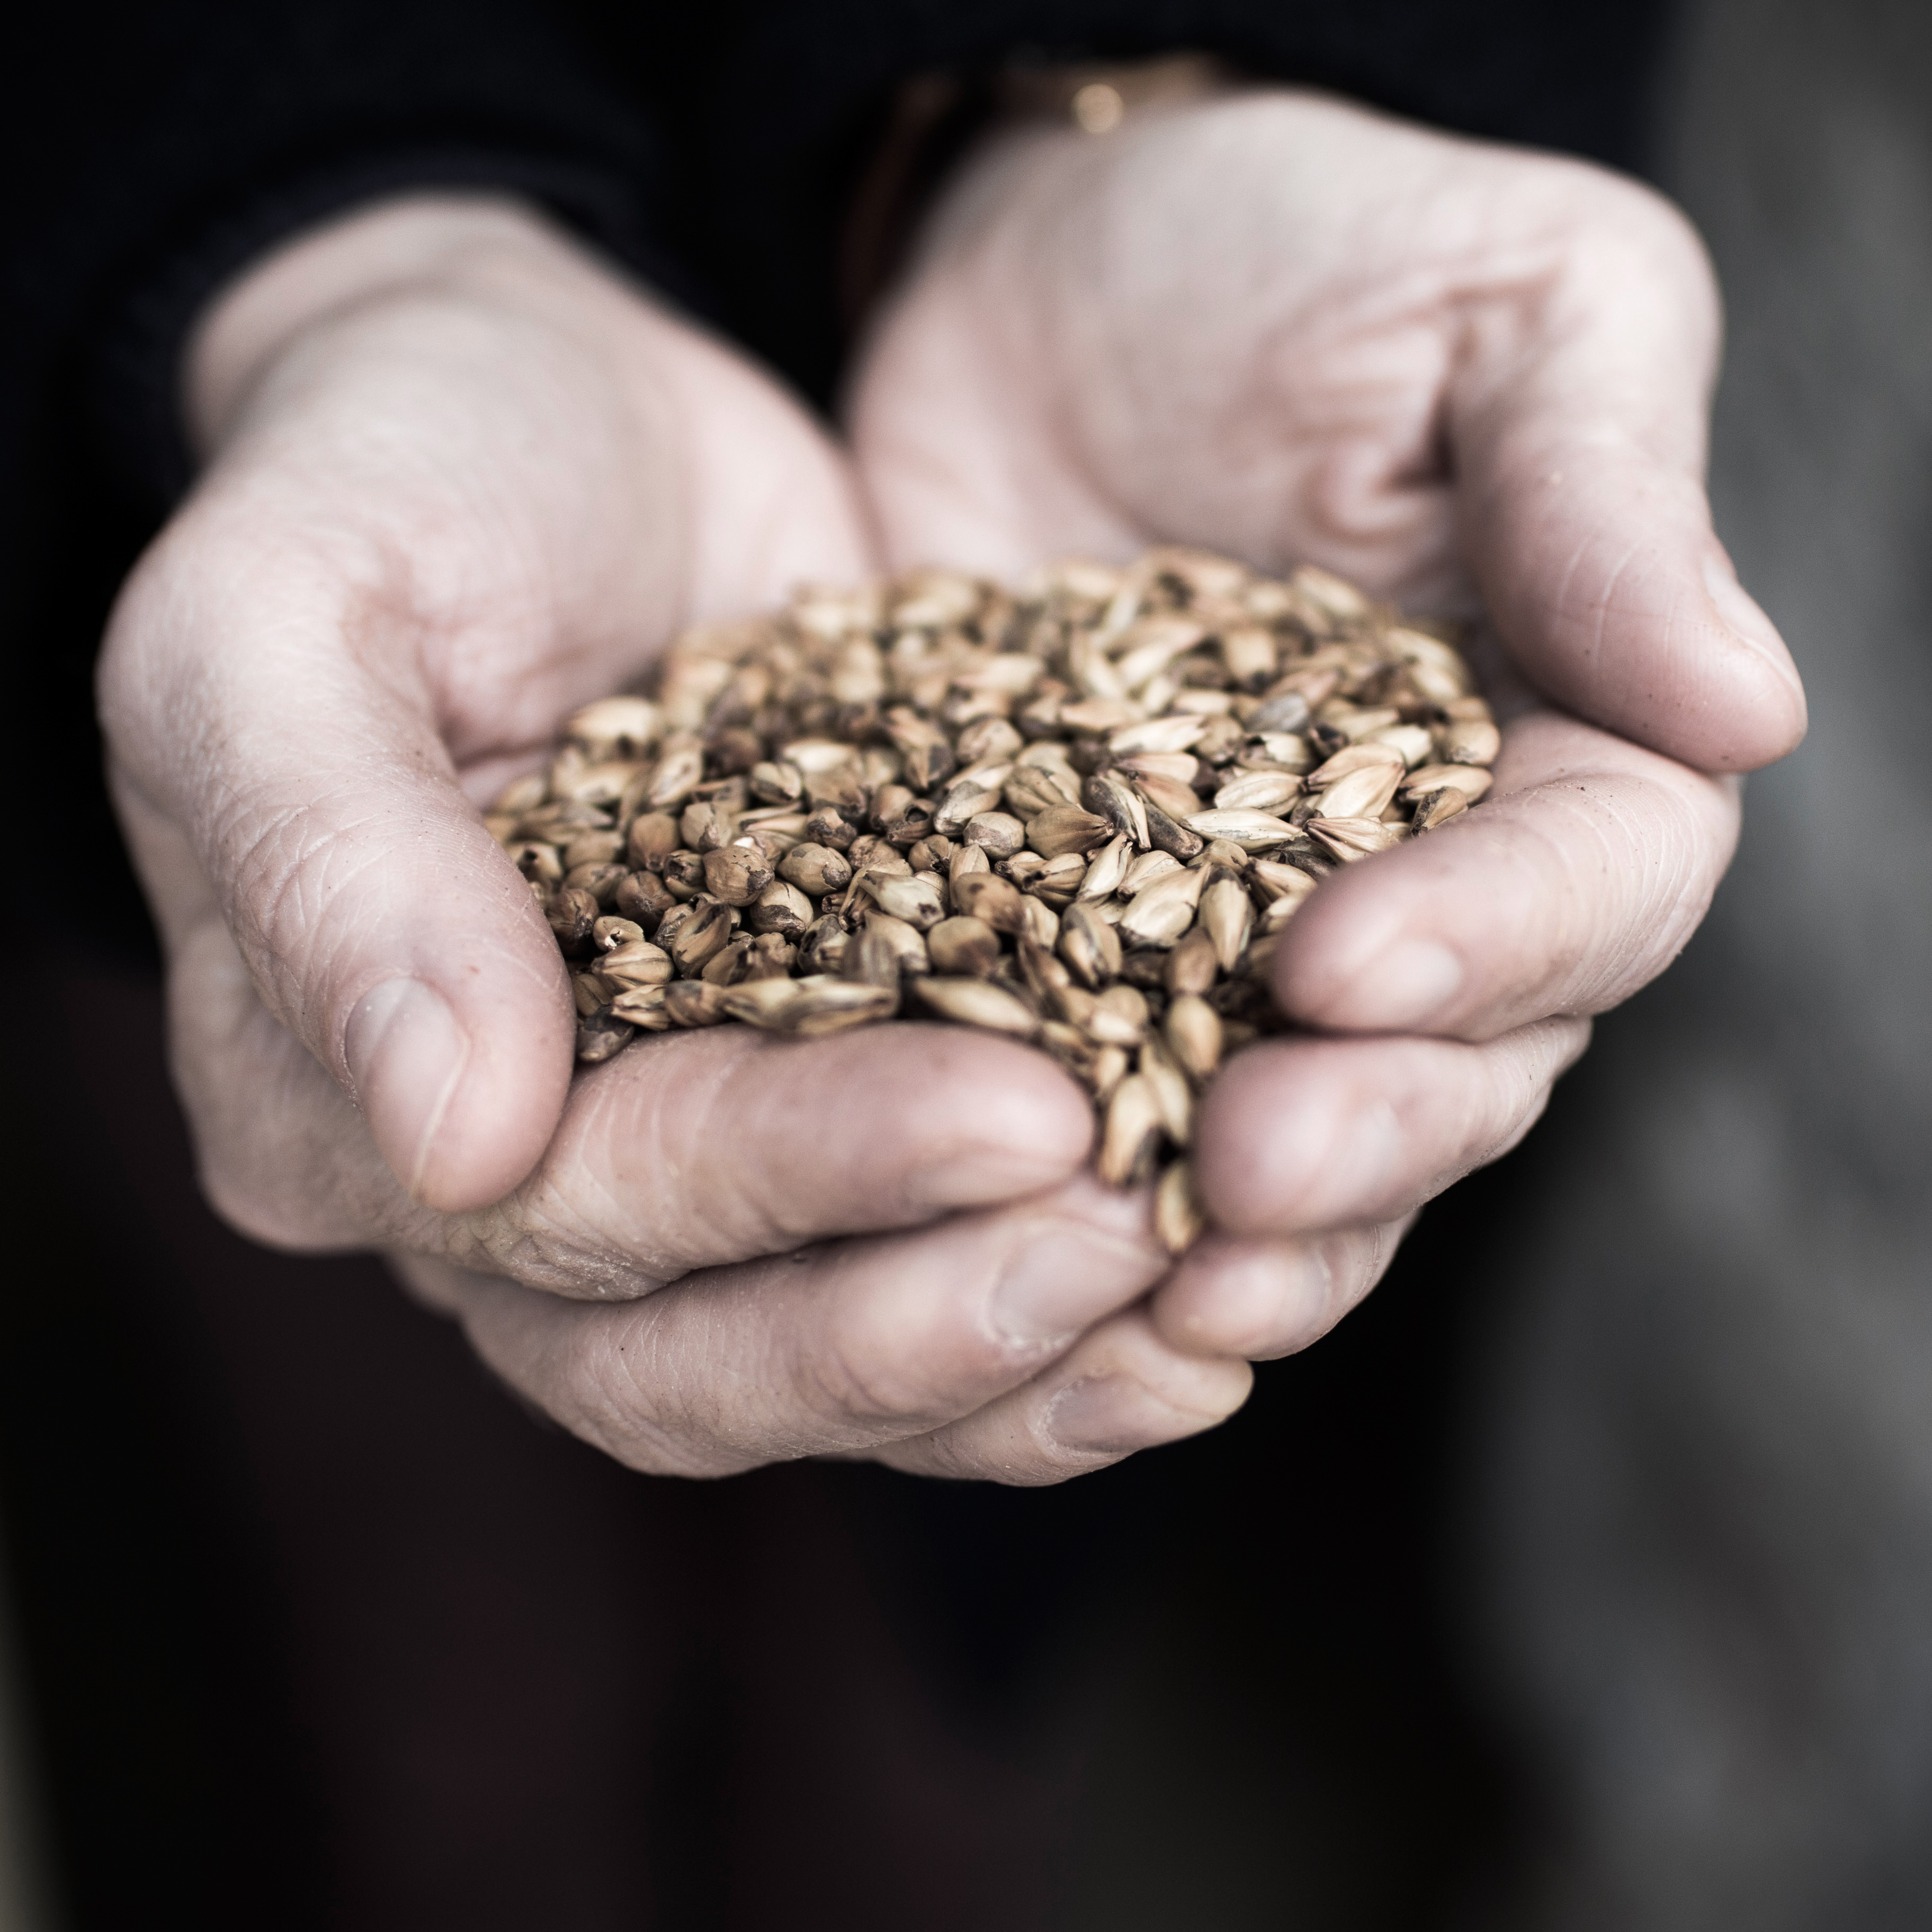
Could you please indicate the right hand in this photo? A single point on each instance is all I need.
(461, 477)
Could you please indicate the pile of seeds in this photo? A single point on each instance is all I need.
(1078, 813)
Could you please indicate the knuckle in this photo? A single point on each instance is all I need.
(870, 1372)
(522, 1239)
(628, 1394)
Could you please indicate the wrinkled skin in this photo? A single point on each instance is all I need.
(1468, 377)
(461, 477)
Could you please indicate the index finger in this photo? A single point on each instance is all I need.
(703, 1149)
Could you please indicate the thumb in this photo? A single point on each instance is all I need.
(270, 703)
(1576, 420)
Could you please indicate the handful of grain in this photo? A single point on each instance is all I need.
(1078, 813)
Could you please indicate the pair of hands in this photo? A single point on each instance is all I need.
(461, 477)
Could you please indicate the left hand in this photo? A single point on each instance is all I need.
(1468, 377)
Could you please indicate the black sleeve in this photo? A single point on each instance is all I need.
(790, 102)
(162, 146)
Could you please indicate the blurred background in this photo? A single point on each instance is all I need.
(1583, 1579)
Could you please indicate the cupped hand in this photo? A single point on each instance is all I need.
(459, 478)
(1472, 378)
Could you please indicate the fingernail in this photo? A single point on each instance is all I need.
(1056, 1283)
(1409, 985)
(1112, 1415)
(1743, 616)
(405, 1054)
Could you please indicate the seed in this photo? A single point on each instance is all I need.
(1170, 836)
(1179, 802)
(736, 874)
(822, 947)
(1144, 870)
(815, 869)
(998, 834)
(637, 963)
(1160, 912)
(920, 901)
(1157, 734)
(1177, 1220)
(1411, 741)
(1090, 947)
(809, 1007)
(963, 947)
(1029, 791)
(1227, 917)
(906, 942)
(1065, 828)
(693, 1002)
(1279, 881)
(1118, 1018)
(1432, 807)
(1252, 831)
(976, 1003)
(593, 848)
(771, 956)
(600, 881)
(965, 799)
(1352, 838)
(678, 773)
(1060, 880)
(984, 895)
(521, 795)
(599, 1036)
(701, 938)
(729, 963)
(1472, 781)
(1171, 1092)
(780, 908)
(1131, 1133)
(643, 1006)
(573, 917)
(1121, 785)
(1107, 1070)
(1365, 793)
(1042, 922)
(1108, 868)
(1258, 791)
(539, 862)
(1193, 964)
(607, 934)
(1193, 1030)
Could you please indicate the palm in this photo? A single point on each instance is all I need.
(1285, 328)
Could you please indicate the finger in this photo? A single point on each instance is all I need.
(693, 1150)
(1299, 1136)
(1260, 1300)
(828, 1350)
(257, 695)
(1119, 1389)
(1576, 420)
(1577, 881)
(686, 1151)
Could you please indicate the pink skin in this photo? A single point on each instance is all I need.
(461, 476)
(1278, 325)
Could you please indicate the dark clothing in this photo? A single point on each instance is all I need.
(322, 1629)
(713, 148)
